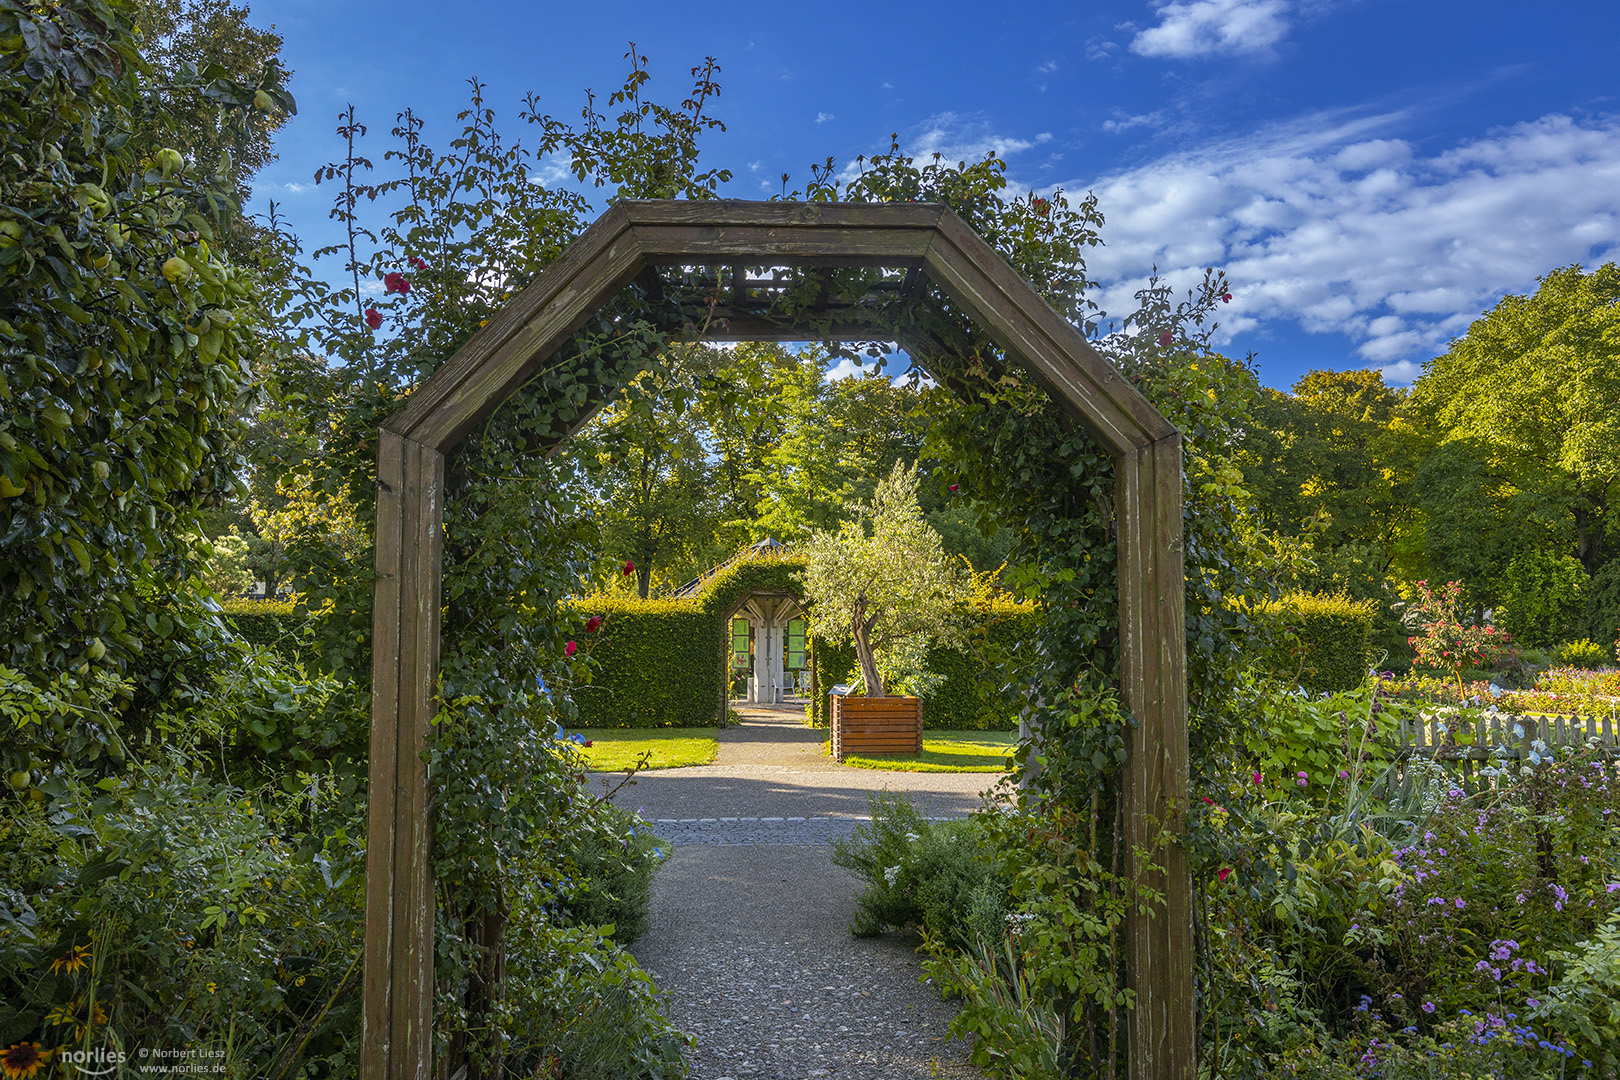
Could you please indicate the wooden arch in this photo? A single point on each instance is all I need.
(626, 241)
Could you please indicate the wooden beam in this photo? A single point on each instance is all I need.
(1153, 678)
(501, 356)
(397, 1005)
(1055, 352)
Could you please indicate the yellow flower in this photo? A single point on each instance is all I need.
(78, 1015)
(22, 1060)
(76, 960)
(212, 987)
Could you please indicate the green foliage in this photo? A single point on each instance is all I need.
(583, 1009)
(1307, 745)
(1582, 654)
(1541, 597)
(608, 858)
(928, 875)
(658, 664)
(882, 581)
(275, 624)
(1585, 1001)
(174, 910)
(1532, 391)
(1323, 644)
(126, 339)
(988, 673)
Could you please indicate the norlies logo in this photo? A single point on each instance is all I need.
(97, 1062)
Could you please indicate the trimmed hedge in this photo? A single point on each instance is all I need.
(276, 624)
(665, 663)
(1332, 632)
(660, 663)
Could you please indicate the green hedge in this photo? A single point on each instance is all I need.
(1332, 631)
(981, 680)
(665, 663)
(277, 624)
(659, 663)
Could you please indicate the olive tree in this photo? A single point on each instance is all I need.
(883, 580)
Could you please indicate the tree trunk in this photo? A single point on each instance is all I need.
(861, 627)
(643, 579)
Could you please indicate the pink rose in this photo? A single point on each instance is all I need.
(373, 318)
(1166, 338)
(417, 263)
(570, 649)
(394, 281)
(629, 568)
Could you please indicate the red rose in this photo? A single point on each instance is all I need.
(956, 487)
(373, 318)
(629, 568)
(1226, 298)
(1224, 871)
(1166, 338)
(588, 742)
(417, 263)
(570, 649)
(1041, 206)
(394, 281)
(593, 624)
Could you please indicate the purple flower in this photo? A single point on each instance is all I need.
(1428, 1006)
(1344, 774)
(1460, 903)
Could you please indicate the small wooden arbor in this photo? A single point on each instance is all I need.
(632, 241)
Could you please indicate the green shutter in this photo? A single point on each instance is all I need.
(795, 644)
(739, 640)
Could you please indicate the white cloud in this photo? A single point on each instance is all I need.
(823, 117)
(1099, 48)
(963, 137)
(1210, 27)
(1327, 224)
(1125, 123)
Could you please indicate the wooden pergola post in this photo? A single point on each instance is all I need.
(628, 239)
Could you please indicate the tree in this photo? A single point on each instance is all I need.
(126, 337)
(214, 39)
(1534, 388)
(883, 580)
(653, 479)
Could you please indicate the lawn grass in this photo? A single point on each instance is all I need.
(614, 749)
(946, 751)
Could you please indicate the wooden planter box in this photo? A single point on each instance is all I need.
(874, 725)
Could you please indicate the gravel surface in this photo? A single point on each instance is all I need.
(750, 918)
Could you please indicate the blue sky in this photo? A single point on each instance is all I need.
(1372, 174)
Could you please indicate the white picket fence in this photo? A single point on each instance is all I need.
(1446, 735)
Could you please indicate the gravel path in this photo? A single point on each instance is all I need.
(750, 918)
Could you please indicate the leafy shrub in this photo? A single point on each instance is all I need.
(1582, 654)
(929, 875)
(1600, 614)
(583, 1009)
(609, 857)
(1541, 597)
(1329, 649)
(166, 909)
(1303, 744)
(1585, 1001)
